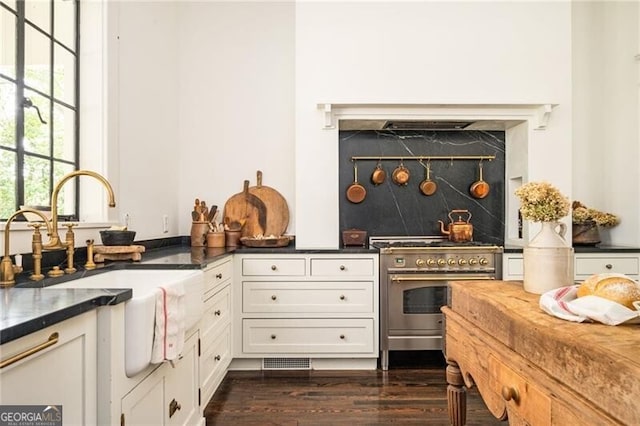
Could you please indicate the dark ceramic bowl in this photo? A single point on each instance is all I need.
(117, 238)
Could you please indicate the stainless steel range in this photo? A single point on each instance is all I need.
(414, 276)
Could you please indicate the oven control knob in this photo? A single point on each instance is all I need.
(451, 262)
(420, 263)
(431, 262)
(462, 262)
(441, 262)
(473, 261)
(483, 261)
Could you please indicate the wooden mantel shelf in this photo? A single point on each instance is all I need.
(533, 368)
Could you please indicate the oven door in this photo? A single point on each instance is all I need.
(414, 302)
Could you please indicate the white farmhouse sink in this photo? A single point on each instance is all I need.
(140, 309)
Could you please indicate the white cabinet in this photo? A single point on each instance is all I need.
(587, 264)
(169, 395)
(512, 267)
(323, 307)
(215, 329)
(60, 369)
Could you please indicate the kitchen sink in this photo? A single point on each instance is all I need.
(139, 315)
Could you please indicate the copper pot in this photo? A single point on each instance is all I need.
(428, 187)
(459, 231)
(480, 188)
(379, 175)
(401, 174)
(356, 192)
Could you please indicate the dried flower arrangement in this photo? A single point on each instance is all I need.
(583, 215)
(542, 202)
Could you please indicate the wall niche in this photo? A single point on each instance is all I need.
(392, 210)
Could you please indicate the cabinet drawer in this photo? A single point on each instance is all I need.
(213, 363)
(273, 267)
(595, 265)
(217, 312)
(299, 297)
(513, 267)
(217, 276)
(342, 267)
(522, 398)
(304, 336)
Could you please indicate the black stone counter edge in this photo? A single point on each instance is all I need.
(113, 297)
(586, 249)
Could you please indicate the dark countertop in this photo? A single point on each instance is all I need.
(32, 305)
(27, 310)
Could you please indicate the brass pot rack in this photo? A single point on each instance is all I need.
(425, 157)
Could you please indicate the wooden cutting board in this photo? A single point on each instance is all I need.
(248, 210)
(276, 205)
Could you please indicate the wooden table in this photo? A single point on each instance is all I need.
(533, 368)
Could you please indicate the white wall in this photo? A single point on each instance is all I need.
(236, 101)
(429, 53)
(144, 147)
(606, 132)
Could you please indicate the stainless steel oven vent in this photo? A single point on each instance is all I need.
(286, 364)
(426, 125)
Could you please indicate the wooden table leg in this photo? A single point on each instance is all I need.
(456, 395)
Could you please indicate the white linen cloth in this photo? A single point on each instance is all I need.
(563, 303)
(168, 339)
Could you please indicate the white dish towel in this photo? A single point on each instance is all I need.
(564, 303)
(168, 339)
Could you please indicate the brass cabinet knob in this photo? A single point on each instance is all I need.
(608, 266)
(509, 394)
(173, 407)
(274, 267)
(342, 297)
(274, 297)
(273, 337)
(342, 267)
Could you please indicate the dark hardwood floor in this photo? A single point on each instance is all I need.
(409, 393)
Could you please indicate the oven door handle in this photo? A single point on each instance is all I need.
(413, 278)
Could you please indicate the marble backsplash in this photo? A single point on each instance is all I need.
(392, 210)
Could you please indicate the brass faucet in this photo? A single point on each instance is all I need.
(8, 270)
(54, 238)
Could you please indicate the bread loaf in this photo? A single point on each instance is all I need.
(616, 287)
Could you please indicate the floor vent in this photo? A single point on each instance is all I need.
(286, 364)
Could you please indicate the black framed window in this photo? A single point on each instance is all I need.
(39, 93)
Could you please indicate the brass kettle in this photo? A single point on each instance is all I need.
(459, 231)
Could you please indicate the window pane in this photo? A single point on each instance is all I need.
(7, 183)
(67, 195)
(7, 113)
(39, 12)
(36, 134)
(36, 181)
(64, 16)
(64, 133)
(7, 43)
(37, 60)
(10, 3)
(64, 75)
